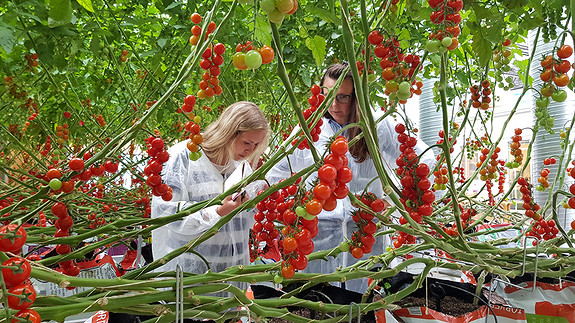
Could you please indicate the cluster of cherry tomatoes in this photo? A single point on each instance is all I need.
(158, 156)
(16, 273)
(542, 229)
(295, 243)
(543, 179)
(441, 179)
(100, 120)
(484, 95)
(398, 68)
(571, 201)
(416, 195)
(445, 15)
(247, 56)
(554, 74)
(32, 59)
(63, 225)
(314, 101)
(531, 208)
(362, 240)
(211, 60)
(333, 177)
(195, 137)
(124, 56)
(515, 150)
(490, 170)
(196, 30)
(278, 9)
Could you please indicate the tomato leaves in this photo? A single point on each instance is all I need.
(60, 13)
(317, 45)
(481, 46)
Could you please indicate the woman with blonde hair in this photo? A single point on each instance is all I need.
(239, 135)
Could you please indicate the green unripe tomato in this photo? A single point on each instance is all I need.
(55, 184)
(253, 59)
(371, 77)
(442, 49)
(559, 96)
(194, 156)
(515, 164)
(540, 188)
(446, 41)
(404, 87)
(344, 246)
(268, 5)
(432, 45)
(496, 58)
(542, 102)
(403, 95)
(278, 279)
(276, 16)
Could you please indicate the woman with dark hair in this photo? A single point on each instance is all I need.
(337, 224)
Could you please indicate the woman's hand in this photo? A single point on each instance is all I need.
(228, 205)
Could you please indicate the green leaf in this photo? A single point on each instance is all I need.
(304, 72)
(263, 32)
(95, 45)
(7, 39)
(162, 42)
(60, 13)
(323, 14)
(317, 46)
(481, 47)
(87, 4)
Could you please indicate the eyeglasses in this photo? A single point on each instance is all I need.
(343, 98)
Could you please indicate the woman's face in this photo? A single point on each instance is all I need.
(340, 108)
(246, 142)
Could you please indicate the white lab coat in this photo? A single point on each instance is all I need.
(337, 224)
(192, 182)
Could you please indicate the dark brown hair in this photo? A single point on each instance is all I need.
(359, 150)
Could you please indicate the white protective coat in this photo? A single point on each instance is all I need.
(192, 182)
(337, 224)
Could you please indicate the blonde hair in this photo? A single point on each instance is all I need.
(220, 135)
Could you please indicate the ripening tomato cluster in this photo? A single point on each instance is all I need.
(543, 179)
(445, 15)
(515, 150)
(542, 229)
(531, 208)
(416, 195)
(490, 170)
(333, 177)
(554, 74)
(441, 179)
(278, 9)
(247, 56)
(100, 120)
(270, 209)
(158, 156)
(314, 101)
(212, 58)
(298, 228)
(124, 56)
(571, 201)
(195, 137)
(484, 104)
(62, 132)
(398, 68)
(32, 59)
(362, 240)
(63, 225)
(196, 30)
(16, 272)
